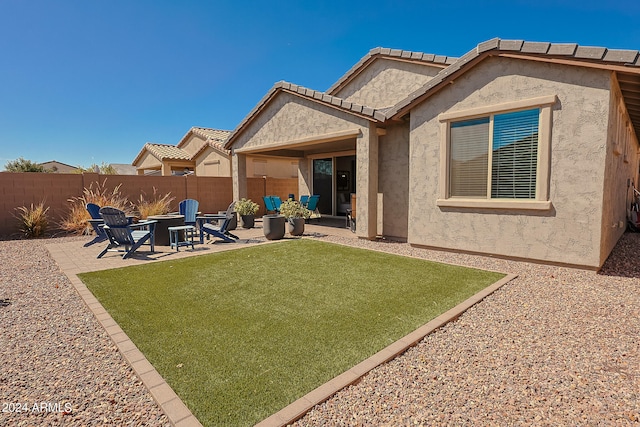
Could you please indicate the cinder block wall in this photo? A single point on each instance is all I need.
(213, 193)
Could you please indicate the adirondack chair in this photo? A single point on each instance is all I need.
(96, 222)
(269, 206)
(189, 208)
(312, 205)
(222, 231)
(304, 200)
(276, 202)
(123, 236)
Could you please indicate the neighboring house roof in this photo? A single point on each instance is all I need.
(213, 138)
(162, 152)
(123, 169)
(625, 62)
(393, 54)
(372, 114)
(58, 166)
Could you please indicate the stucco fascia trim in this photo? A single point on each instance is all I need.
(499, 108)
(327, 137)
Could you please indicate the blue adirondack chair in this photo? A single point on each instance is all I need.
(304, 200)
(123, 236)
(222, 231)
(276, 202)
(312, 205)
(96, 222)
(189, 208)
(269, 206)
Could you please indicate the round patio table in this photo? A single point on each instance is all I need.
(162, 227)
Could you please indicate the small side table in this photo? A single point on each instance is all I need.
(174, 236)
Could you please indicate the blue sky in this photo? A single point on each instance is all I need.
(90, 81)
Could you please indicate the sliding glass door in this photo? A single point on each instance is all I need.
(323, 184)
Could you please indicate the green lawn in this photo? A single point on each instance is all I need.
(240, 334)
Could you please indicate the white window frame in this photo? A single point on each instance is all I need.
(541, 202)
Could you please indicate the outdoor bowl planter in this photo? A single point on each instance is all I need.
(247, 209)
(273, 226)
(295, 226)
(295, 213)
(248, 221)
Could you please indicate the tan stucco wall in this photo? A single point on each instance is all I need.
(289, 118)
(568, 233)
(148, 161)
(212, 163)
(272, 166)
(393, 180)
(385, 82)
(192, 144)
(621, 167)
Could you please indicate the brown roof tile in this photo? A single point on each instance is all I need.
(166, 152)
(563, 49)
(533, 47)
(623, 56)
(588, 52)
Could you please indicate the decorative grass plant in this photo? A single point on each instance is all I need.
(240, 334)
(76, 219)
(157, 205)
(33, 220)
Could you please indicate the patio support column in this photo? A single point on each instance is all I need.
(367, 183)
(304, 177)
(239, 175)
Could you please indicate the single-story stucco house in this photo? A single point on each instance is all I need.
(201, 151)
(518, 149)
(58, 167)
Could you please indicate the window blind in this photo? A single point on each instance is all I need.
(468, 168)
(515, 155)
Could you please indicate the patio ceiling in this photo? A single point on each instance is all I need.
(329, 143)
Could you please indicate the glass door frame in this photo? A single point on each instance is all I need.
(332, 156)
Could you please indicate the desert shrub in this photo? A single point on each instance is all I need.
(154, 206)
(33, 220)
(76, 219)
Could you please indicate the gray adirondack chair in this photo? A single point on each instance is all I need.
(222, 231)
(125, 237)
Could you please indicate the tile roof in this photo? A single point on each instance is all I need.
(625, 62)
(166, 152)
(214, 137)
(589, 56)
(398, 54)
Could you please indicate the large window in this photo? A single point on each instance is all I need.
(509, 151)
(497, 159)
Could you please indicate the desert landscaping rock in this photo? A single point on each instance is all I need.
(59, 367)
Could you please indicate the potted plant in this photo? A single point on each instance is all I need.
(247, 209)
(296, 214)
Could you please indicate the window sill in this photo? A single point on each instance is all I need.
(535, 205)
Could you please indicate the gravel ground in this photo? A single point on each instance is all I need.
(556, 346)
(59, 367)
